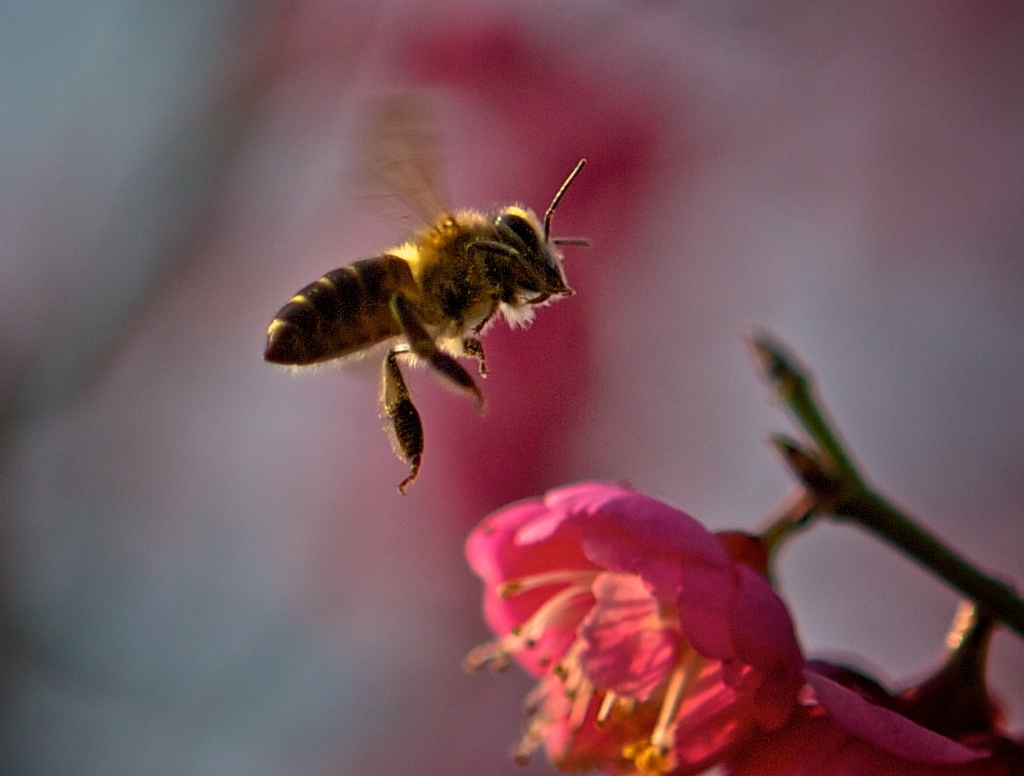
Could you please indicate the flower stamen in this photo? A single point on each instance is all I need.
(513, 587)
(582, 696)
(497, 655)
(654, 757)
(549, 613)
(493, 655)
(679, 685)
(571, 671)
(607, 704)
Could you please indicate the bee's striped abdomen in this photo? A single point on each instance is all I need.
(345, 311)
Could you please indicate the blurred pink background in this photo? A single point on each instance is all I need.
(204, 565)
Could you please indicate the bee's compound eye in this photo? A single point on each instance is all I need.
(522, 229)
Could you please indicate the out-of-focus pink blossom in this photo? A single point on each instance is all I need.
(846, 727)
(656, 650)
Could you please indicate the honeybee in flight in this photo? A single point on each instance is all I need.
(430, 298)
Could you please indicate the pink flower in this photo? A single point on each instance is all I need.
(656, 650)
(846, 728)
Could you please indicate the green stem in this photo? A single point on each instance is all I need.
(794, 515)
(794, 386)
(829, 473)
(876, 514)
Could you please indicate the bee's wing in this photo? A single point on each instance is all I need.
(404, 156)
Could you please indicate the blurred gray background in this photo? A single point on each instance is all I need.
(204, 565)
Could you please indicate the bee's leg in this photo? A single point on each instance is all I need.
(475, 349)
(473, 346)
(490, 247)
(479, 328)
(406, 430)
(423, 345)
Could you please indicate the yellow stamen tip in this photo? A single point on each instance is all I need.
(649, 759)
(509, 589)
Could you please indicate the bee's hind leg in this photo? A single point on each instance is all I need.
(423, 345)
(406, 430)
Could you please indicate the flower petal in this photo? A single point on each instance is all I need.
(635, 527)
(678, 557)
(497, 556)
(886, 729)
(628, 651)
(490, 549)
(764, 639)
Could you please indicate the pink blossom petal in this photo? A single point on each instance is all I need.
(765, 641)
(677, 556)
(704, 605)
(886, 729)
(627, 531)
(638, 525)
(497, 557)
(489, 550)
(762, 629)
(628, 649)
(710, 718)
(815, 746)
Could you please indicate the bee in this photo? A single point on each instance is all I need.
(430, 298)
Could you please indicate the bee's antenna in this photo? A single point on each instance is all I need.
(558, 195)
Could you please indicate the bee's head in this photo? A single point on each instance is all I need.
(538, 269)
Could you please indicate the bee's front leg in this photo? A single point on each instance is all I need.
(406, 430)
(475, 349)
(423, 345)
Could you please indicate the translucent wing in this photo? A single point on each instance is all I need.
(404, 157)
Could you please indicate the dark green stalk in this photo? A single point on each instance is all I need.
(829, 474)
(876, 514)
